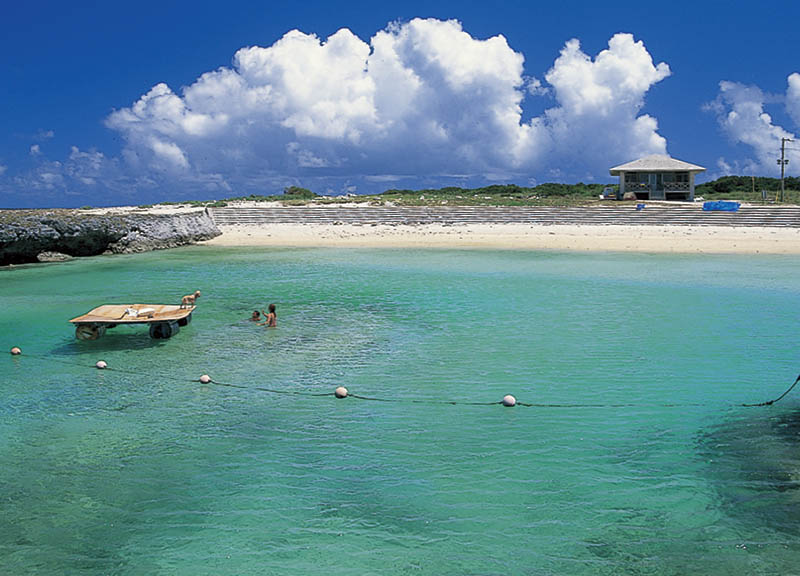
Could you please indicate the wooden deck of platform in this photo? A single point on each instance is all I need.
(116, 314)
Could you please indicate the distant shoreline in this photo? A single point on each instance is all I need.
(582, 238)
(613, 227)
(52, 235)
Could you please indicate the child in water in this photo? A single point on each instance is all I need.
(256, 317)
(271, 319)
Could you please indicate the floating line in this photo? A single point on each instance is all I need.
(407, 400)
(778, 399)
(270, 390)
(419, 401)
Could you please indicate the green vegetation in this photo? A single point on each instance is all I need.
(748, 189)
(548, 194)
(295, 192)
(196, 203)
(291, 195)
(495, 195)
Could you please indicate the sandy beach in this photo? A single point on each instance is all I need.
(678, 239)
(504, 236)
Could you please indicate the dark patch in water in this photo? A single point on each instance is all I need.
(121, 338)
(753, 463)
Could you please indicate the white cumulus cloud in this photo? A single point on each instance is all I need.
(793, 98)
(421, 99)
(597, 121)
(421, 103)
(742, 115)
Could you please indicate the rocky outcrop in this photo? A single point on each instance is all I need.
(53, 257)
(24, 234)
(166, 231)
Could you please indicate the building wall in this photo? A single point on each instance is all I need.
(690, 193)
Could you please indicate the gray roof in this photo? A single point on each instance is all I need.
(656, 163)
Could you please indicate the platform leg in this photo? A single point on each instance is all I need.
(89, 331)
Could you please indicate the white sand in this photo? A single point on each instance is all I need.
(685, 239)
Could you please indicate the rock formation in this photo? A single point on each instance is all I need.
(25, 234)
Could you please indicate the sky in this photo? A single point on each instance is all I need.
(117, 103)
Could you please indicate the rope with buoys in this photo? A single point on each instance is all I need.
(263, 389)
(341, 392)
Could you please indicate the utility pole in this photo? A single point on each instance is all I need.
(783, 160)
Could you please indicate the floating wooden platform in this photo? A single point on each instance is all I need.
(164, 320)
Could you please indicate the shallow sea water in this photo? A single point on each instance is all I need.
(144, 471)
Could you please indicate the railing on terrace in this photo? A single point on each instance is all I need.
(666, 186)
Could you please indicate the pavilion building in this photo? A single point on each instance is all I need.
(657, 177)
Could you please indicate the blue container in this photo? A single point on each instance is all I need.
(721, 206)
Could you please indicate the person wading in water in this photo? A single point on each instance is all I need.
(271, 319)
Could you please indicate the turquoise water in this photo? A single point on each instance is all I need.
(143, 471)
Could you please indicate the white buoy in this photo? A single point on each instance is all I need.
(15, 351)
(205, 378)
(509, 400)
(340, 392)
(101, 365)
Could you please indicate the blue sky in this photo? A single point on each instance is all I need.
(108, 103)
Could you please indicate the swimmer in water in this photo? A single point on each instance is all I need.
(256, 317)
(271, 319)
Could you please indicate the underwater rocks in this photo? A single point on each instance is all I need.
(753, 462)
(27, 234)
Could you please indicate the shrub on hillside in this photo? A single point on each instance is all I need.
(298, 192)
